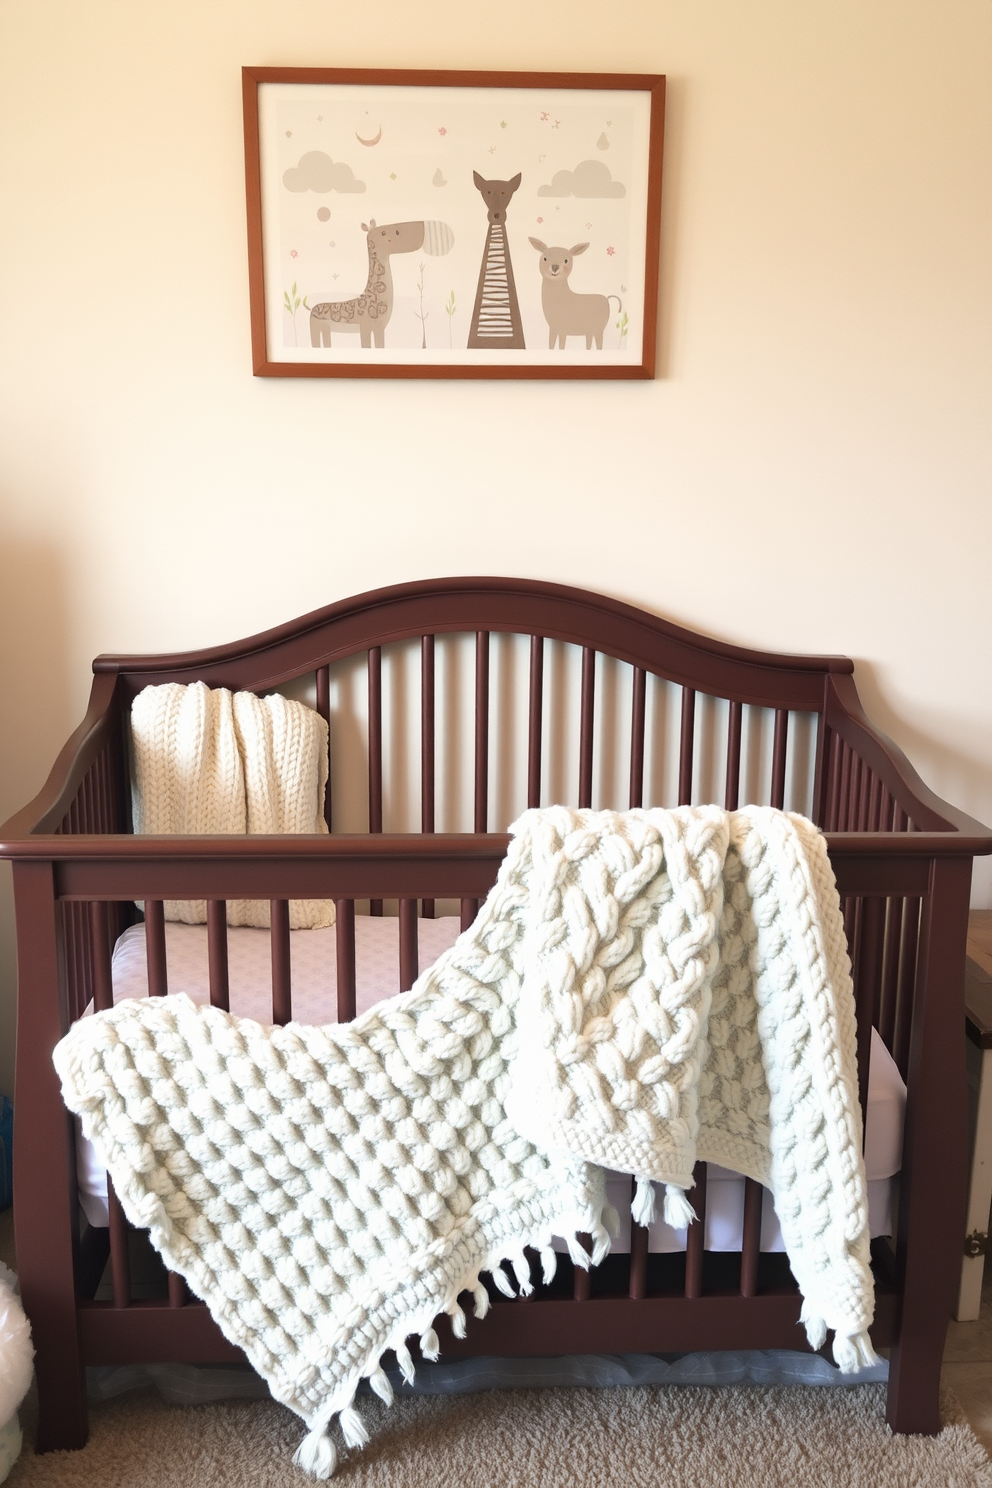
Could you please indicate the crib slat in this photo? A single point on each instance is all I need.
(696, 1235)
(864, 797)
(408, 944)
(779, 748)
(751, 1242)
(177, 1290)
(582, 1279)
(375, 751)
(587, 725)
(857, 782)
(733, 787)
(158, 976)
(344, 933)
(875, 804)
(100, 957)
(844, 790)
(469, 909)
(282, 996)
(890, 973)
(220, 990)
(867, 986)
(535, 721)
(482, 731)
(427, 766)
(120, 1264)
(833, 804)
(907, 982)
(686, 745)
(637, 707)
(637, 1287)
(323, 676)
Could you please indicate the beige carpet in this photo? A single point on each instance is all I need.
(615, 1438)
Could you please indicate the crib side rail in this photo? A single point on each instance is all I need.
(86, 788)
(91, 872)
(868, 785)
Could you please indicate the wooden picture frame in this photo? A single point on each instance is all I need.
(487, 189)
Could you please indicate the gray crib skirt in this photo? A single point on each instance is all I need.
(196, 1384)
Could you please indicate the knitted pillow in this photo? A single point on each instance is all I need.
(209, 761)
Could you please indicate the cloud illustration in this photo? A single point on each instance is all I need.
(589, 178)
(318, 172)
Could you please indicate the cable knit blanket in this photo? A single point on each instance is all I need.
(209, 761)
(640, 989)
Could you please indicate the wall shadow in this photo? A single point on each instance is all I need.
(34, 718)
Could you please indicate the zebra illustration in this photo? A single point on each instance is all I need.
(496, 318)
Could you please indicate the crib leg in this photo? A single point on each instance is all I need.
(44, 1168)
(934, 1176)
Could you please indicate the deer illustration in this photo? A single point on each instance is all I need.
(369, 312)
(568, 313)
(496, 318)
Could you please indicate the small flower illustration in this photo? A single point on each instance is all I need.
(540, 219)
(610, 252)
(544, 118)
(442, 130)
(293, 253)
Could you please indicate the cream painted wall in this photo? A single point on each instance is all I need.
(811, 469)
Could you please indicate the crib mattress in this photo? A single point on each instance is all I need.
(314, 982)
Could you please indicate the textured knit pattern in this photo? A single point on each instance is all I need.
(211, 761)
(328, 1191)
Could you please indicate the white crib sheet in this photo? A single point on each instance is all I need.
(314, 981)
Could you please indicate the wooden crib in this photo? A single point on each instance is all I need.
(555, 694)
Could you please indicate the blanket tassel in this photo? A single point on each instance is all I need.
(816, 1327)
(502, 1281)
(854, 1354)
(642, 1207)
(317, 1454)
(429, 1345)
(481, 1298)
(679, 1213)
(549, 1264)
(405, 1361)
(379, 1380)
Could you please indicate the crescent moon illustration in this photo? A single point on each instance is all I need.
(370, 142)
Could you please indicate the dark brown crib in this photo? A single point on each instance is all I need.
(486, 695)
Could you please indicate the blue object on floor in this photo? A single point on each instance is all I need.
(6, 1151)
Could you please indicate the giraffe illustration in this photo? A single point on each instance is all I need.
(369, 312)
(496, 318)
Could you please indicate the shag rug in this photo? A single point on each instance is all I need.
(642, 1437)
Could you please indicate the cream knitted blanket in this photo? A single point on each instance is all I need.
(210, 761)
(639, 989)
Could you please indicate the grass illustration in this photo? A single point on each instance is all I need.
(292, 302)
(449, 310)
(421, 316)
(623, 326)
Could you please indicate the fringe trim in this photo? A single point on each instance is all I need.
(852, 1351)
(317, 1453)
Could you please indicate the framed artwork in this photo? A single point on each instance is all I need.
(453, 224)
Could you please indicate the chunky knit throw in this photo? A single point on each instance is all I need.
(640, 989)
(211, 761)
